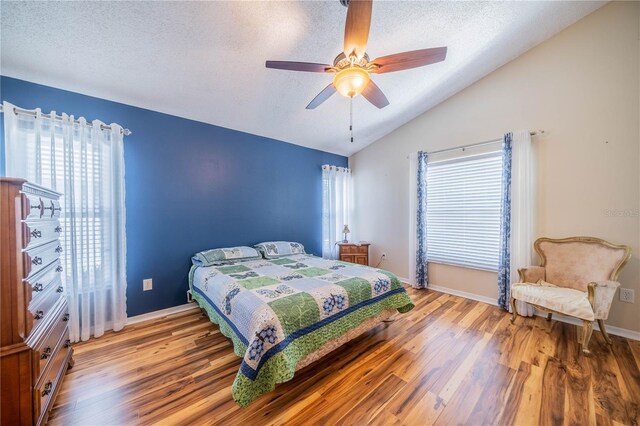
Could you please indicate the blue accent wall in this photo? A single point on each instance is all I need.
(192, 186)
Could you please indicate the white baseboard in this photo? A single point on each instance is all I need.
(454, 292)
(622, 332)
(161, 313)
(466, 295)
(617, 331)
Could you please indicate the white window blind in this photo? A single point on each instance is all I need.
(89, 234)
(463, 211)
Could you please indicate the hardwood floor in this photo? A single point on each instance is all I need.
(448, 361)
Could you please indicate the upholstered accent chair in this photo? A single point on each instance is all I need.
(577, 277)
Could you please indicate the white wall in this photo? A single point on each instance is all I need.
(582, 88)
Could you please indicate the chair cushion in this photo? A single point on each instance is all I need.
(564, 300)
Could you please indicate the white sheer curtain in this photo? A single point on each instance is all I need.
(85, 164)
(336, 207)
(522, 210)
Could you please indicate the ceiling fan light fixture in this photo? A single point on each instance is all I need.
(350, 82)
(353, 66)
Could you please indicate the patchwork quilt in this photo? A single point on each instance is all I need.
(278, 311)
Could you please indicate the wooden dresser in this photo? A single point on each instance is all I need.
(354, 253)
(35, 349)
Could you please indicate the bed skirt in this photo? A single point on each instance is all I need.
(334, 344)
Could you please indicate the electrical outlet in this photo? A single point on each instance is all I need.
(147, 284)
(627, 295)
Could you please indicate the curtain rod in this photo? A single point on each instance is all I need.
(17, 111)
(473, 145)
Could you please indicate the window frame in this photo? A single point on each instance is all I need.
(459, 260)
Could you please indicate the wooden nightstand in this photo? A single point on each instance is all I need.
(354, 253)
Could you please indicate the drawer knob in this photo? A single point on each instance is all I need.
(37, 287)
(67, 343)
(65, 318)
(58, 229)
(59, 268)
(36, 260)
(60, 289)
(46, 353)
(38, 315)
(36, 234)
(59, 249)
(47, 389)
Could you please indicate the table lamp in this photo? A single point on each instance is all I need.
(345, 231)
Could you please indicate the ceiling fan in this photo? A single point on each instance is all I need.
(352, 67)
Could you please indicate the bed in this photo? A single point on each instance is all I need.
(286, 312)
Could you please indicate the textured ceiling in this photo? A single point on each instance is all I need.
(205, 60)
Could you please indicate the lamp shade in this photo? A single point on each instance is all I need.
(345, 230)
(350, 82)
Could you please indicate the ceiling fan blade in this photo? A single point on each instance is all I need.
(407, 60)
(356, 30)
(374, 95)
(297, 66)
(322, 96)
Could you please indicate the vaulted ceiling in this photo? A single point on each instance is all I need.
(205, 60)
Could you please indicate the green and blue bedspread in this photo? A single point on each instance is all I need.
(278, 311)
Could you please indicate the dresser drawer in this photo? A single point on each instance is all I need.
(50, 380)
(31, 207)
(362, 249)
(40, 313)
(35, 233)
(58, 335)
(41, 282)
(38, 258)
(50, 209)
(347, 249)
(352, 248)
(348, 258)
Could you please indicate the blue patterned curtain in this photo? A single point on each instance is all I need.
(504, 265)
(422, 278)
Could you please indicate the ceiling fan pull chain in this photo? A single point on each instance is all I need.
(351, 117)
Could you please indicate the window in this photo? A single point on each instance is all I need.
(336, 207)
(463, 211)
(85, 162)
(85, 221)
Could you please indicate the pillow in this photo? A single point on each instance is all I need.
(221, 256)
(275, 249)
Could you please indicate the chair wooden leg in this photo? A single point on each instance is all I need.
(549, 315)
(604, 332)
(587, 329)
(514, 311)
